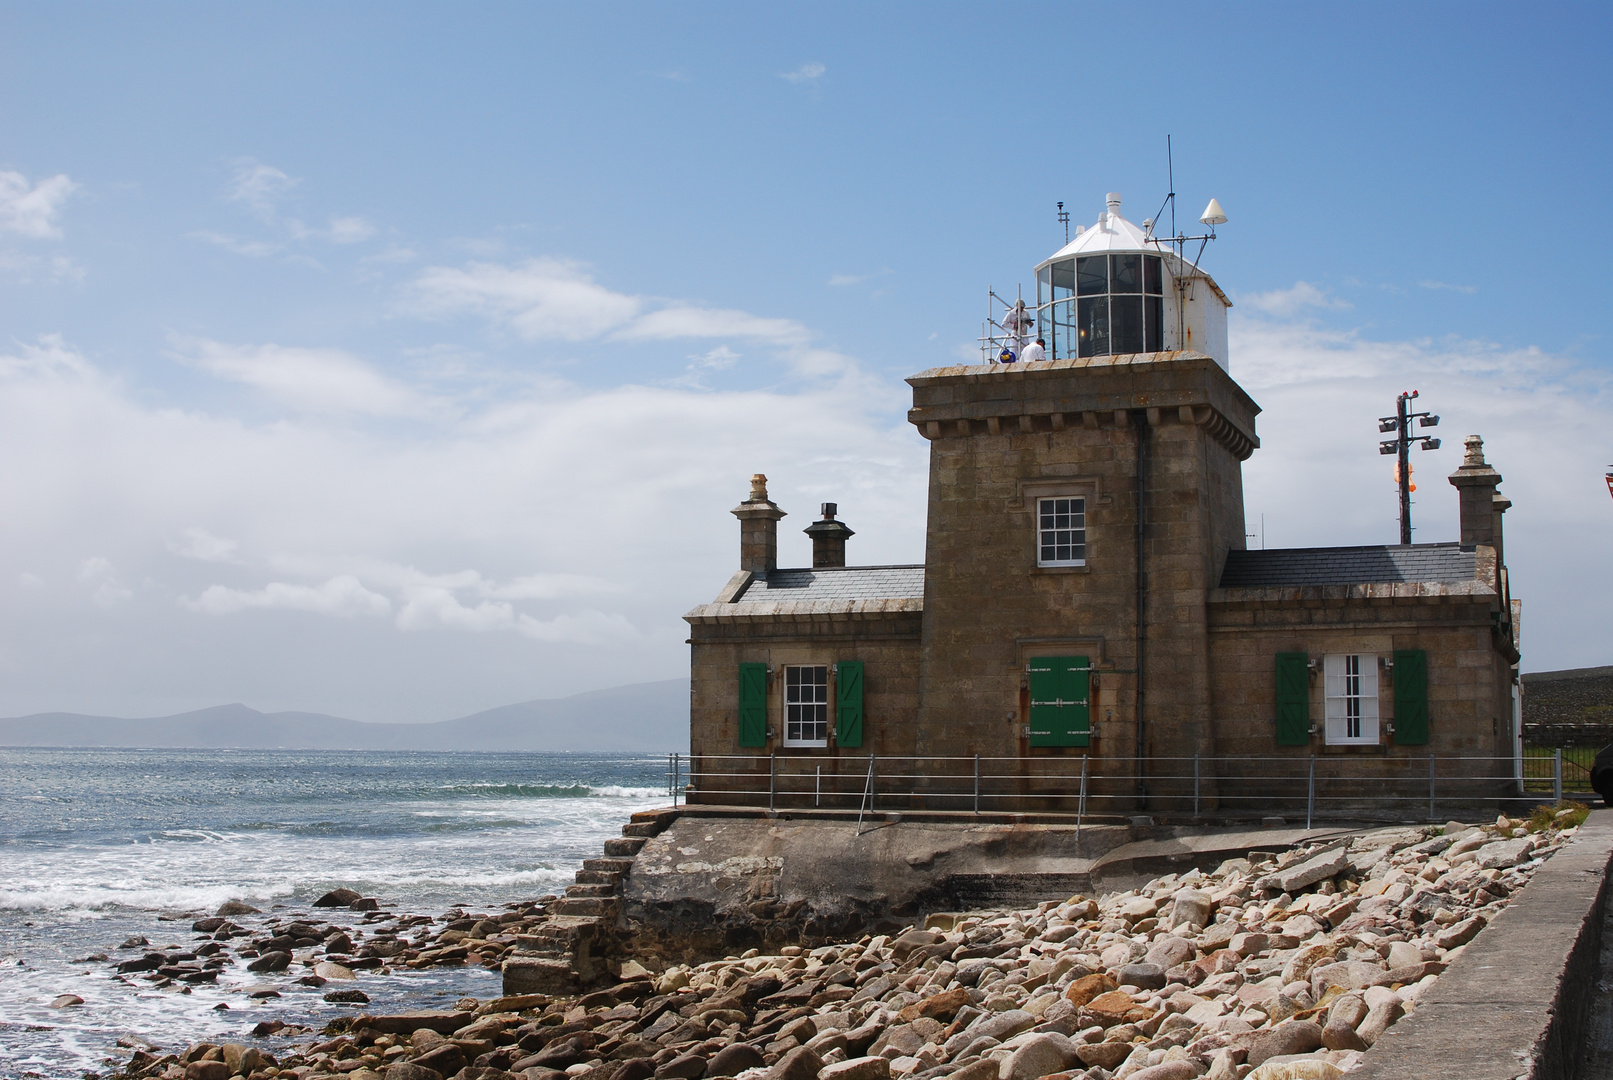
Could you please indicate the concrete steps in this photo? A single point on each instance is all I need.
(568, 951)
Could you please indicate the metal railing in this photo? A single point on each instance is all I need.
(1323, 785)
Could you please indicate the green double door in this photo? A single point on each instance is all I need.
(1061, 710)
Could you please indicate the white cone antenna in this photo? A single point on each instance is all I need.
(1213, 214)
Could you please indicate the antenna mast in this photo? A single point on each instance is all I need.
(1064, 219)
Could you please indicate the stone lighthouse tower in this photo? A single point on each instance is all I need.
(1080, 510)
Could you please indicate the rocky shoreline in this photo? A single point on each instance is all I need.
(1271, 967)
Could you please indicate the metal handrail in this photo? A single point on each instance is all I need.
(981, 783)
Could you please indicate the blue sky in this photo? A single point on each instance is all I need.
(401, 360)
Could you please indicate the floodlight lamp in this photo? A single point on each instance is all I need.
(1213, 214)
(1389, 447)
(1430, 444)
(1429, 421)
(1388, 425)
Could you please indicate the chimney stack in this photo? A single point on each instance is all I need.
(758, 528)
(828, 539)
(1481, 505)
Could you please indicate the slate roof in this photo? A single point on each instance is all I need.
(837, 584)
(1382, 564)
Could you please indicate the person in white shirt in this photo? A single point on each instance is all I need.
(1036, 350)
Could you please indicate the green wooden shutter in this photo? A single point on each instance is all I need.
(1293, 699)
(752, 704)
(849, 703)
(1061, 713)
(1411, 697)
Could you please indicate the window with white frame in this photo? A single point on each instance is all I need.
(1352, 698)
(806, 705)
(1061, 532)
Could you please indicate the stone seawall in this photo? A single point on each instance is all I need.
(711, 885)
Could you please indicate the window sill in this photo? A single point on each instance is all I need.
(1056, 568)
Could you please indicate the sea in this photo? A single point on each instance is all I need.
(97, 846)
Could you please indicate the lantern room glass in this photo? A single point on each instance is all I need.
(1101, 305)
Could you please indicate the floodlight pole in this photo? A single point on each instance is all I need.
(1400, 445)
(1403, 429)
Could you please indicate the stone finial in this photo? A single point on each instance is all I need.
(758, 528)
(1480, 505)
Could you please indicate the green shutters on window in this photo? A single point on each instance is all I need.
(1411, 697)
(752, 704)
(849, 703)
(1293, 699)
(1060, 711)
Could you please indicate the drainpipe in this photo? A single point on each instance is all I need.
(1139, 419)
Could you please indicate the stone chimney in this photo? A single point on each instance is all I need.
(758, 528)
(1481, 505)
(828, 538)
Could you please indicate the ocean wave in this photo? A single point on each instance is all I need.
(551, 791)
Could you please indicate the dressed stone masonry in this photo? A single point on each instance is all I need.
(1087, 593)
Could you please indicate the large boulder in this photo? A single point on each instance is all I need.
(1288, 1037)
(337, 898)
(1038, 1056)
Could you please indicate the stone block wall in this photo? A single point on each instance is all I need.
(1469, 681)
(1001, 439)
(888, 646)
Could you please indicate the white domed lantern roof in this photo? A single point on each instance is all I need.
(1117, 289)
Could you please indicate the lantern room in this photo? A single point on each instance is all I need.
(1118, 289)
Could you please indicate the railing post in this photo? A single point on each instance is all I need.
(1081, 803)
(677, 777)
(1195, 785)
(772, 779)
(1557, 775)
(817, 788)
(1432, 816)
(977, 783)
(873, 786)
(1310, 795)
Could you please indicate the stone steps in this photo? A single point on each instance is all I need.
(566, 952)
(598, 877)
(600, 907)
(591, 889)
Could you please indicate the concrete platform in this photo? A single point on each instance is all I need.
(1515, 1003)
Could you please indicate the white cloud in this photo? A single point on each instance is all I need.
(839, 280)
(30, 581)
(312, 380)
(696, 322)
(342, 596)
(259, 186)
(1440, 285)
(541, 298)
(1319, 479)
(349, 230)
(555, 299)
(257, 249)
(535, 542)
(203, 546)
(31, 210)
(806, 73)
(1286, 303)
(96, 573)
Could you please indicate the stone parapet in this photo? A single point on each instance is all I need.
(1090, 392)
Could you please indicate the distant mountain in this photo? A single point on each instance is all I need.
(650, 717)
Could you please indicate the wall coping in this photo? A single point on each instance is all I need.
(1513, 1004)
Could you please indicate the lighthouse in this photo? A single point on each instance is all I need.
(1118, 289)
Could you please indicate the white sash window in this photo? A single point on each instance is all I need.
(1352, 698)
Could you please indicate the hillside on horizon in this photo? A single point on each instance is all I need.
(641, 717)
